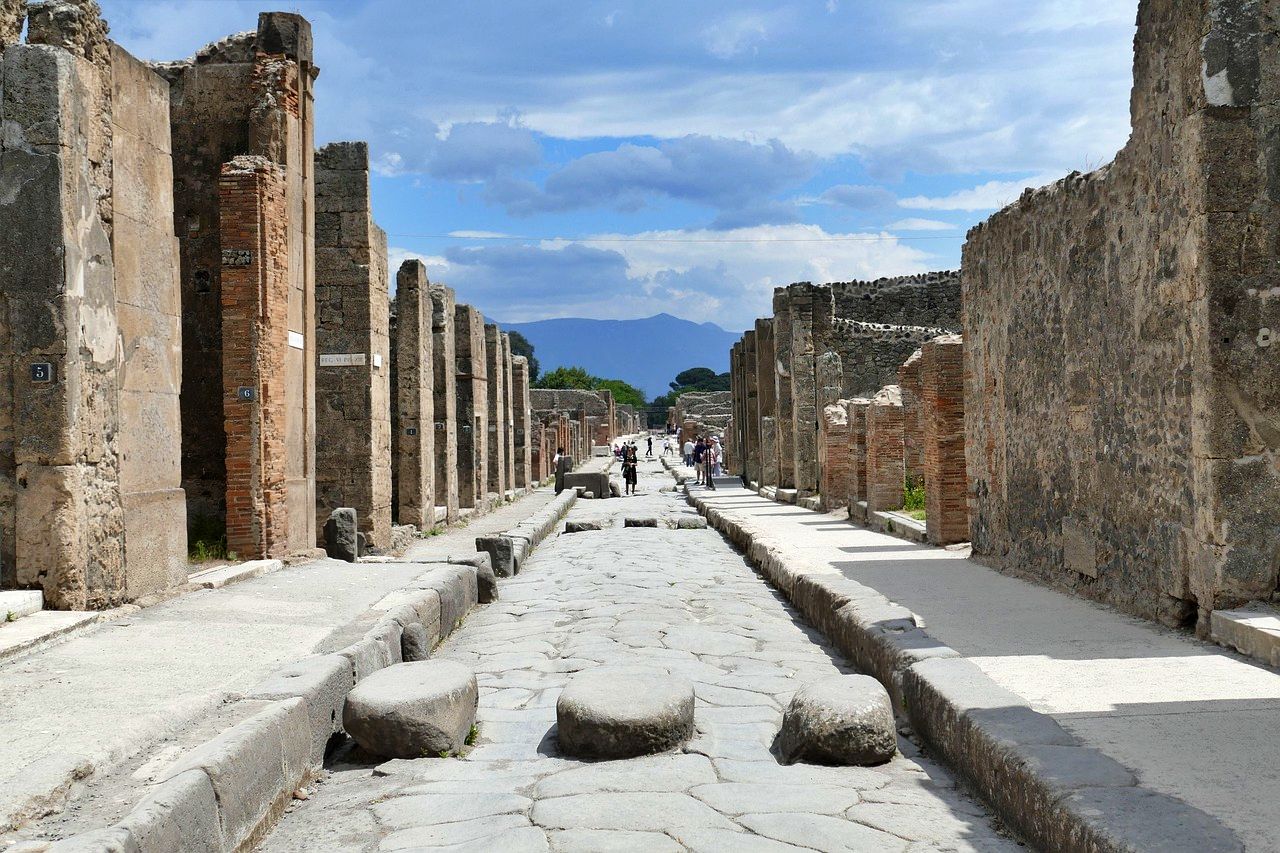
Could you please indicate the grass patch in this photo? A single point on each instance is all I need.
(917, 514)
(913, 497)
(206, 539)
(473, 735)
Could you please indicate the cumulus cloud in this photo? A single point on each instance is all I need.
(467, 152)
(858, 197)
(991, 195)
(736, 35)
(920, 225)
(717, 172)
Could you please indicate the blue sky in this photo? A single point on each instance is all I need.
(618, 159)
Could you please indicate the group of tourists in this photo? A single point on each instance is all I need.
(706, 457)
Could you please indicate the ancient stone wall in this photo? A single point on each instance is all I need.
(91, 507)
(495, 430)
(444, 394)
(473, 406)
(811, 312)
(871, 353)
(911, 381)
(1121, 340)
(857, 417)
(931, 299)
(884, 469)
(942, 415)
(250, 94)
(750, 429)
(767, 401)
(508, 415)
(413, 447)
(835, 456)
(784, 422)
(523, 440)
(353, 387)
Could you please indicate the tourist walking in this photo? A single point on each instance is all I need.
(699, 453)
(649, 450)
(630, 466)
(688, 453)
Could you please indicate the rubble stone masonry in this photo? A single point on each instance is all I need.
(524, 441)
(857, 409)
(444, 395)
(767, 401)
(785, 420)
(473, 407)
(911, 381)
(413, 445)
(91, 506)
(353, 383)
(884, 469)
(495, 434)
(835, 457)
(1122, 339)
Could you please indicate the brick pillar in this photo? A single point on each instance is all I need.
(414, 441)
(947, 497)
(836, 456)
(255, 339)
(911, 381)
(473, 407)
(353, 388)
(495, 441)
(885, 474)
(857, 409)
(524, 442)
(766, 401)
(444, 396)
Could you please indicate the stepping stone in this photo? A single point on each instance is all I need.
(691, 522)
(582, 526)
(842, 720)
(413, 710)
(640, 522)
(341, 540)
(612, 712)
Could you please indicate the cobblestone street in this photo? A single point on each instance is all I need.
(678, 600)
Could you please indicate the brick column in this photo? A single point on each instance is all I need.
(444, 397)
(495, 440)
(857, 409)
(414, 441)
(473, 407)
(524, 442)
(835, 456)
(255, 339)
(947, 497)
(353, 388)
(885, 474)
(910, 380)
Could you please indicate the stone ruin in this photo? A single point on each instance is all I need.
(1107, 422)
(200, 335)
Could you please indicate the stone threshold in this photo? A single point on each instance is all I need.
(1049, 787)
(1252, 630)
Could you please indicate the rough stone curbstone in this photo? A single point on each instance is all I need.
(178, 814)
(111, 839)
(322, 682)
(254, 767)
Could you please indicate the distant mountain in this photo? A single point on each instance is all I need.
(647, 353)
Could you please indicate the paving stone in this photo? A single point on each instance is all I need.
(412, 710)
(612, 841)
(721, 840)
(620, 713)
(637, 811)
(432, 809)
(650, 773)
(844, 719)
(454, 832)
(822, 832)
(735, 798)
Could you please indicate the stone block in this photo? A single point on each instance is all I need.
(180, 813)
(610, 713)
(583, 526)
(413, 710)
(320, 681)
(340, 539)
(647, 521)
(842, 720)
(254, 767)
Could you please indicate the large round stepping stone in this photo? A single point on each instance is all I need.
(621, 713)
(413, 710)
(842, 720)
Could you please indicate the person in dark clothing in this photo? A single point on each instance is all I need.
(630, 468)
(699, 449)
(649, 449)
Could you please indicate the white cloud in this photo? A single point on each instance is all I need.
(730, 37)
(921, 225)
(992, 195)
(478, 235)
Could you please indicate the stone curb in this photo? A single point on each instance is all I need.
(1057, 793)
(226, 794)
(220, 576)
(508, 550)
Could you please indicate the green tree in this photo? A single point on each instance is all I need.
(568, 377)
(624, 393)
(520, 346)
(696, 376)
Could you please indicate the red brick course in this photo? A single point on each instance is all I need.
(946, 498)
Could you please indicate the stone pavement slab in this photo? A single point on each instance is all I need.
(79, 709)
(676, 600)
(1188, 718)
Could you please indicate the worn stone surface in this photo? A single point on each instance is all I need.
(613, 712)
(884, 463)
(444, 394)
(412, 710)
(353, 346)
(498, 422)
(413, 434)
(341, 540)
(472, 406)
(845, 719)
(1127, 411)
(592, 600)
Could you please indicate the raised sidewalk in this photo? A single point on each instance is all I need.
(1190, 720)
(134, 685)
